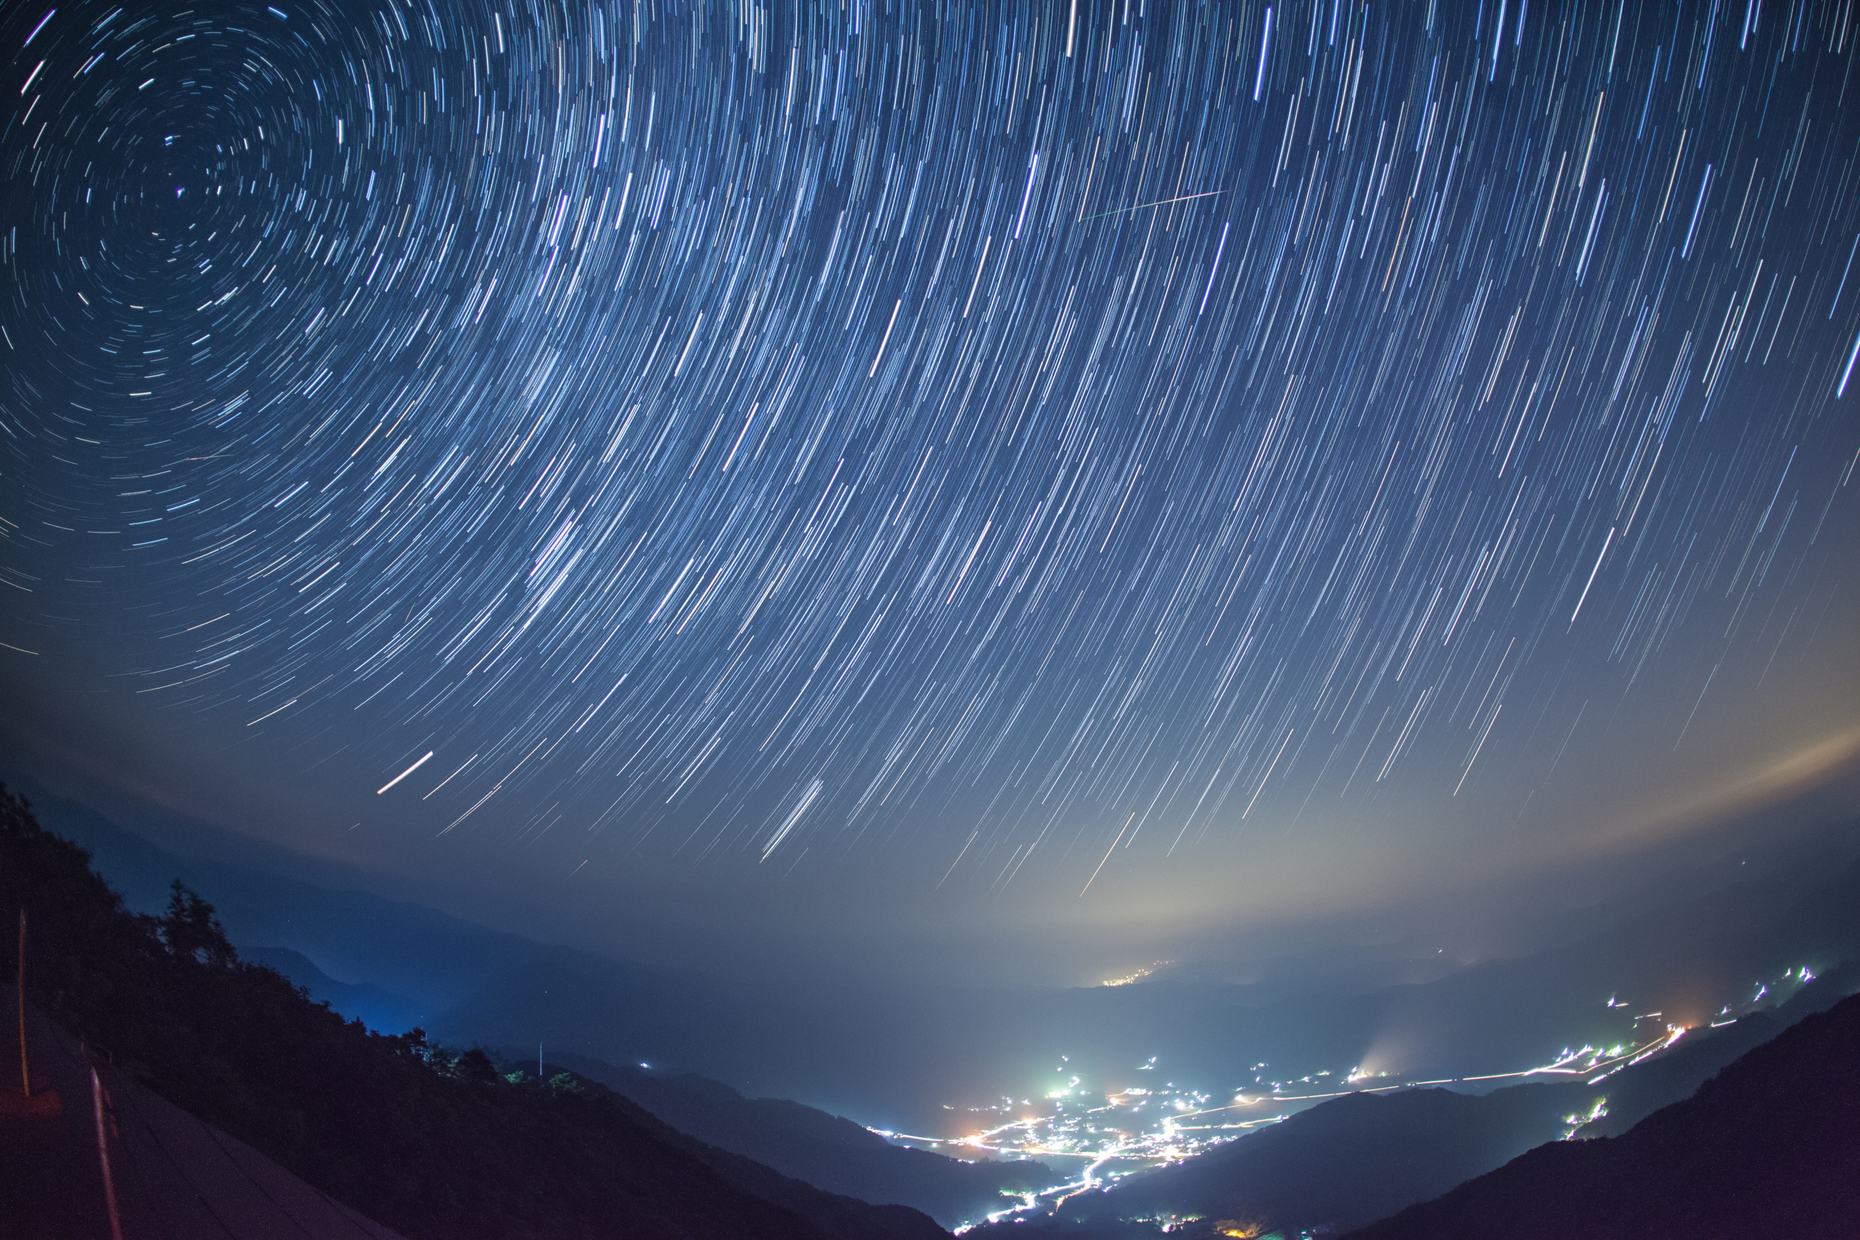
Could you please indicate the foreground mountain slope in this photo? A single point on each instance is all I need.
(825, 1150)
(1768, 1147)
(431, 1143)
(169, 1173)
(1637, 1092)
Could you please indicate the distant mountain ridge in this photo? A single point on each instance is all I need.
(1343, 1163)
(462, 980)
(421, 958)
(825, 1150)
(375, 1007)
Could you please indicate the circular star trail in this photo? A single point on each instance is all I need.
(1031, 431)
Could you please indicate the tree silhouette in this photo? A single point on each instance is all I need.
(476, 1066)
(192, 931)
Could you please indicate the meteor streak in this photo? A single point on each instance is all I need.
(1144, 206)
(410, 770)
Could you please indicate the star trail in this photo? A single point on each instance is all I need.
(1024, 438)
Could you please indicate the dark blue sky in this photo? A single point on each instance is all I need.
(1126, 464)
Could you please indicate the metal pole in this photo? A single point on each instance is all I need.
(98, 1102)
(25, 1072)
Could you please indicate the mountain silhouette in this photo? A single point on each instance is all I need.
(1768, 1147)
(431, 1142)
(825, 1150)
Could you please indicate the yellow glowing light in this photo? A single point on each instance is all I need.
(1135, 975)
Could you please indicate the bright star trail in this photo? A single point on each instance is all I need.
(1026, 437)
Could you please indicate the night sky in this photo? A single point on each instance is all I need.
(1126, 463)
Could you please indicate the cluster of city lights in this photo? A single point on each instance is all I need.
(1096, 1136)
